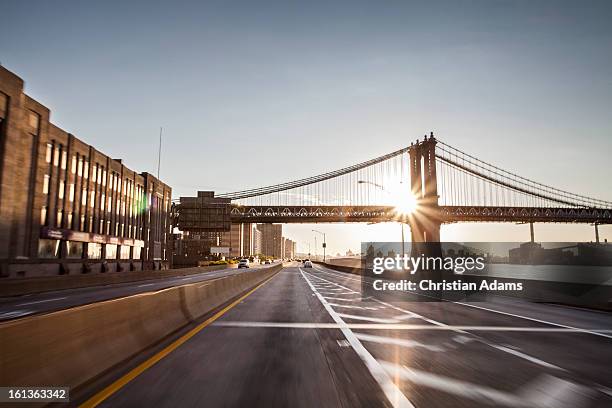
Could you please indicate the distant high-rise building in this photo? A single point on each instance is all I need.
(271, 239)
(289, 248)
(257, 245)
(239, 239)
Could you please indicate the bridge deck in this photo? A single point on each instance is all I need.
(447, 214)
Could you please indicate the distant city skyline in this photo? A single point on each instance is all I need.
(312, 87)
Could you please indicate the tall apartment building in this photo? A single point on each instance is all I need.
(288, 248)
(271, 239)
(239, 239)
(257, 245)
(66, 208)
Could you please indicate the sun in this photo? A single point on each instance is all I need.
(403, 200)
(407, 204)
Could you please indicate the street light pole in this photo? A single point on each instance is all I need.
(324, 242)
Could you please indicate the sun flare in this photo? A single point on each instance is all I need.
(403, 200)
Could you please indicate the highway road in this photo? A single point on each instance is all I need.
(19, 306)
(306, 338)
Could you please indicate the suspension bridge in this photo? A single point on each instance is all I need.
(425, 185)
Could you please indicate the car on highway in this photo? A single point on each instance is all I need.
(267, 262)
(244, 263)
(307, 264)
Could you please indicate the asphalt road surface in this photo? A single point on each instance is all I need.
(19, 306)
(306, 338)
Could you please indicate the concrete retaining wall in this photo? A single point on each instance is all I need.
(21, 286)
(71, 347)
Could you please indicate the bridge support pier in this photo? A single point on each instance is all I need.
(425, 220)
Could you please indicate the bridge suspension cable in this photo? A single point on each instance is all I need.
(311, 180)
(456, 165)
(461, 180)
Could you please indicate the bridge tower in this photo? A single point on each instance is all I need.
(425, 221)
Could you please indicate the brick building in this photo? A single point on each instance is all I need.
(66, 208)
(271, 239)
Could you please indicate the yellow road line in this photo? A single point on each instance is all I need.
(142, 367)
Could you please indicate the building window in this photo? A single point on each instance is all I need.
(84, 197)
(48, 248)
(64, 159)
(94, 250)
(86, 169)
(58, 221)
(111, 251)
(80, 167)
(74, 164)
(125, 252)
(60, 191)
(49, 153)
(94, 173)
(69, 221)
(90, 226)
(82, 226)
(46, 184)
(92, 198)
(3, 105)
(104, 178)
(102, 202)
(56, 156)
(71, 193)
(34, 121)
(136, 253)
(43, 215)
(74, 250)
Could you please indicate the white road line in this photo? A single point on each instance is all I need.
(484, 341)
(344, 299)
(353, 306)
(546, 391)
(586, 331)
(367, 318)
(41, 301)
(400, 326)
(146, 284)
(396, 342)
(389, 388)
(14, 314)
(527, 357)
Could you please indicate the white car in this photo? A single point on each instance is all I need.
(307, 264)
(244, 263)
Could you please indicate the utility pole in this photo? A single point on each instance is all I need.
(324, 242)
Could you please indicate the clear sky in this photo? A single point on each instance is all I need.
(303, 87)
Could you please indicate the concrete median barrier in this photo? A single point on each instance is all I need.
(73, 346)
(21, 286)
